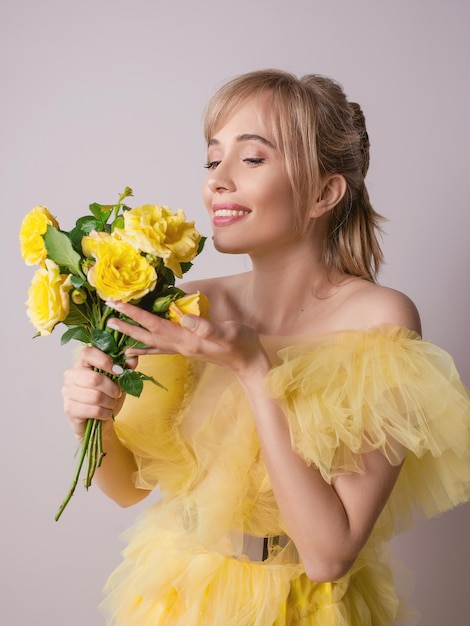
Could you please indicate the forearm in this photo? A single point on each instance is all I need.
(329, 524)
(115, 477)
(311, 509)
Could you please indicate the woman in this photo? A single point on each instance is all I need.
(306, 420)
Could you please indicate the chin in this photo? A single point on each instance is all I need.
(228, 248)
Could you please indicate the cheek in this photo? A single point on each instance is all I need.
(280, 195)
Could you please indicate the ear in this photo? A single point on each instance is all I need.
(332, 192)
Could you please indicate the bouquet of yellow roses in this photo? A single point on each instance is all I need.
(114, 253)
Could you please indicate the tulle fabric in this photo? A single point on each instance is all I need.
(381, 389)
(167, 586)
(343, 394)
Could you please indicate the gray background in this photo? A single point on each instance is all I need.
(97, 95)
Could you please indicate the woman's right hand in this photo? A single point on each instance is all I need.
(89, 394)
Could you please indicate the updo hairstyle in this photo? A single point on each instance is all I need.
(319, 133)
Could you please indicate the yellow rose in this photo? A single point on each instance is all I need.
(92, 242)
(193, 304)
(48, 300)
(33, 226)
(120, 271)
(156, 230)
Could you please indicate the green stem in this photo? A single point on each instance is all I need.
(83, 451)
(100, 453)
(91, 455)
(92, 449)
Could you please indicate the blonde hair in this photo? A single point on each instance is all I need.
(320, 133)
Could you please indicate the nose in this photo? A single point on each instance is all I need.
(220, 178)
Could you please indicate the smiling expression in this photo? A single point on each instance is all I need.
(246, 190)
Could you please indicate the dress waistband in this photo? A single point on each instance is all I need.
(261, 548)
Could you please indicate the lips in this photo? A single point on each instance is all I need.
(228, 213)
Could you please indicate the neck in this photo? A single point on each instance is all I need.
(284, 289)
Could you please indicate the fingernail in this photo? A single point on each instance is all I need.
(188, 321)
(113, 304)
(117, 369)
(112, 325)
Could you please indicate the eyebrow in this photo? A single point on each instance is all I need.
(246, 137)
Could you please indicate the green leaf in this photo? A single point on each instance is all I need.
(104, 341)
(185, 267)
(60, 249)
(131, 383)
(82, 230)
(133, 343)
(87, 223)
(118, 223)
(200, 247)
(95, 208)
(77, 282)
(166, 277)
(151, 379)
(76, 332)
(78, 315)
(101, 211)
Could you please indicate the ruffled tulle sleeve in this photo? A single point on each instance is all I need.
(149, 425)
(381, 389)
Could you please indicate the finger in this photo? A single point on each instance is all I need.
(90, 387)
(82, 411)
(79, 413)
(148, 321)
(154, 331)
(87, 373)
(217, 335)
(93, 358)
(141, 316)
(135, 352)
(132, 361)
(138, 333)
(193, 336)
(201, 327)
(101, 401)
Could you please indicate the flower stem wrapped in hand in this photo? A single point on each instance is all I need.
(113, 253)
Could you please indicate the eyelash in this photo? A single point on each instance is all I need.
(255, 160)
(211, 165)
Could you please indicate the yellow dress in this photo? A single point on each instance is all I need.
(343, 394)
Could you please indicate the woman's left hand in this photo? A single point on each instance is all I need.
(229, 344)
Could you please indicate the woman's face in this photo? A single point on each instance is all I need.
(246, 190)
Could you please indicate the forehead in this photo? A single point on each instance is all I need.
(252, 113)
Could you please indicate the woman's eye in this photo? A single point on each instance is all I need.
(254, 160)
(211, 165)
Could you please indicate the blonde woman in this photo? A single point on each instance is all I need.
(306, 421)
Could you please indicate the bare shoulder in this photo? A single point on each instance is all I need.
(214, 287)
(376, 305)
(223, 293)
(203, 285)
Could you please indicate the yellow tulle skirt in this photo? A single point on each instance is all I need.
(160, 583)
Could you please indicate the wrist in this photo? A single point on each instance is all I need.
(252, 377)
(107, 430)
